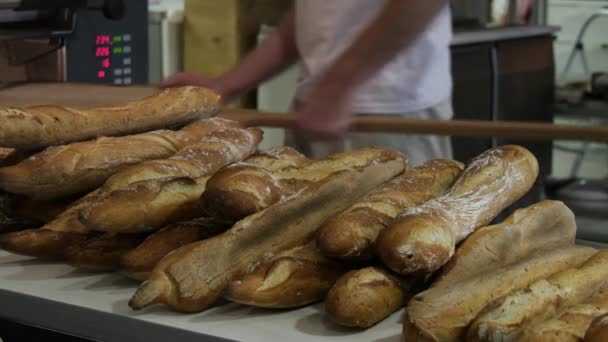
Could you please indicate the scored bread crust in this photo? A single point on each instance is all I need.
(138, 262)
(350, 235)
(364, 297)
(572, 324)
(542, 226)
(174, 188)
(193, 277)
(508, 316)
(422, 239)
(294, 278)
(241, 190)
(41, 126)
(443, 313)
(62, 171)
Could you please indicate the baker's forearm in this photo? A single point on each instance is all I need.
(397, 26)
(277, 52)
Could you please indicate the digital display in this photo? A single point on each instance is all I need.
(113, 53)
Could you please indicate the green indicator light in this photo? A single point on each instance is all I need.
(117, 39)
(117, 50)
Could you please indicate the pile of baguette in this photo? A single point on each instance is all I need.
(184, 203)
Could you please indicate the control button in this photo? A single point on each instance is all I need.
(126, 61)
(118, 81)
(128, 80)
(126, 49)
(117, 72)
(126, 71)
(126, 38)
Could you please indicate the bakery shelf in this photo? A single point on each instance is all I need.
(94, 306)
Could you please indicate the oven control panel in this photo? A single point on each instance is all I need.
(110, 52)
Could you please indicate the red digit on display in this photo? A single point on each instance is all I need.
(103, 51)
(106, 63)
(101, 74)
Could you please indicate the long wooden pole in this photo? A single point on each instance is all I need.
(526, 131)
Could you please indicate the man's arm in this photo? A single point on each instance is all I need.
(275, 54)
(325, 110)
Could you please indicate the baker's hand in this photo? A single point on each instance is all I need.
(324, 116)
(190, 79)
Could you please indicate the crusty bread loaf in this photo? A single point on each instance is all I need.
(365, 297)
(598, 330)
(351, 235)
(443, 313)
(102, 253)
(63, 171)
(173, 194)
(242, 190)
(294, 278)
(424, 238)
(138, 262)
(52, 240)
(194, 276)
(571, 325)
(505, 319)
(542, 226)
(42, 126)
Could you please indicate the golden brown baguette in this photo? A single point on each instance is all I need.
(52, 240)
(424, 238)
(62, 171)
(505, 319)
(365, 297)
(102, 253)
(294, 278)
(571, 325)
(173, 193)
(242, 190)
(443, 313)
(598, 330)
(202, 270)
(542, 226)
(42, 126)
(138, 262)
(351, 235)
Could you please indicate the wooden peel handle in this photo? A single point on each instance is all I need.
(526, 131)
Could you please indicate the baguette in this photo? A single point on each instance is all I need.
(52, 240)
(292, 279)
(102, 253)
(173, 193)
(193, 277)
(505, 319)
(365, 297)
(242, 190)
(442, 313)
(351, 235)
(572, 324)
(598, 330)
(138, 262)
(424, 238)
(41, 126)
(545, 225)
(62, 171)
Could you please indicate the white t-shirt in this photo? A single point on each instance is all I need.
(419, 78)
